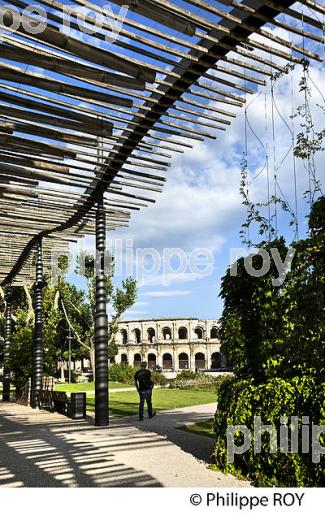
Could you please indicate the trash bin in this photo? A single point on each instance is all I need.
(77, 405)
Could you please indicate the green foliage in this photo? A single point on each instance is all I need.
(240, 400)
(186, 374)
(274, 339)
(122, 373)
(251, 324)
(268, 330)
(120, 299)
(158, 378)
(72, 309)
(220, 381)
(125, 374)
(21, 347)
(21, 350)
(310, 140)
(188, 380)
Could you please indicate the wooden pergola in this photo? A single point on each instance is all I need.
(88, 141)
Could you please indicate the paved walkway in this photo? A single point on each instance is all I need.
(39, 449)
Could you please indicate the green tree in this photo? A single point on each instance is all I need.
(119, 299)
(274, 338)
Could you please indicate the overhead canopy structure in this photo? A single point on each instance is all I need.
(95, 102)
(108, 109)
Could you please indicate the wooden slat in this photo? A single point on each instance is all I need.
(52, 36)
(17, 74)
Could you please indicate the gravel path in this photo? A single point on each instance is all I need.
(39, 449)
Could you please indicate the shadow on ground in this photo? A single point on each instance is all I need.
(167, 425)
(38, 449)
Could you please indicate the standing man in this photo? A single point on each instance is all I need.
(144, 385)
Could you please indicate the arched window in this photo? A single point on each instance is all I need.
(182, 333)
(124, 359)
(151, 335)
(167, 361)
(199, 361)
(124, 336)
(199, 332)
(215, 361)
(214, 334)
(136, 336)
(167, 333)
(137, 360)
(183, 363)
(152, 361)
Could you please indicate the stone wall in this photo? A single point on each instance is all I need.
(173, 344)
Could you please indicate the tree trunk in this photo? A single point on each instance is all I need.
(62, 371)
(92, 357)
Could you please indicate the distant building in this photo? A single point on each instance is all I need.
(173, 344)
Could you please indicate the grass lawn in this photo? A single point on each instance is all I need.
(127, 403)
(87, 387)
(203, 428)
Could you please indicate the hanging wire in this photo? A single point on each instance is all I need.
(284, 201)
(256, 136)
(296, 236)
(314, 185)
(274, 159)
(245, 162)
(306, 107)
(267, 160)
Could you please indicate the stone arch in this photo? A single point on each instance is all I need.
(182, 333)
(199, 361)
(199, 332)
(152, 360)
(137, 360)
(151, 334)
(167, 361)
(124, 336)
(214, 333)
(167, 333)
(136, 336)
(215, 360)
(124, 359)
(183, 361)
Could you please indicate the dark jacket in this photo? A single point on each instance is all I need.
(143, 379)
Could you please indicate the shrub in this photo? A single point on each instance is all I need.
(220, 380)
(158, 378)
(122, 373)
(241, 400)
(198, 382)
(186, 374)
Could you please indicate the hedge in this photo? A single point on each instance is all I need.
(197, 381)
(125, 374)
(240, 400)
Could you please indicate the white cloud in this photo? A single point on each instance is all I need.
(201, 205)
(167, 294)
(170, 278)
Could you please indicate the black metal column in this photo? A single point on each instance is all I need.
(101, 321)
(37, 370)
(8, 330)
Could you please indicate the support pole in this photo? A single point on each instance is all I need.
(69, 362)
(37, 370)
(8, 330)
(101, 321)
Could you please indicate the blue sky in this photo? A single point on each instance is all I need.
(200, 206)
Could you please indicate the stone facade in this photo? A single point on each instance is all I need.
(173, 344)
